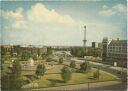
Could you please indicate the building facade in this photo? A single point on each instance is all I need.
(96, 45)
(115, 51)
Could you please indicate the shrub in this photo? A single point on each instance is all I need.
(66, 73)
(25, 80)
(84, 67)
(96, 74)
(60, 60)
(72, 64)
(40, 70)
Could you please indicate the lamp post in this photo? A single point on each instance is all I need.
(98, 72)
(88, 86)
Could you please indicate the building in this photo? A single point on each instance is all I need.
(100, 45)
(96, 45)
(115, 51)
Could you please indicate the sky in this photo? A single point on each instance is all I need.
(62, 23)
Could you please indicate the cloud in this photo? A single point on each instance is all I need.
(17, 14)
(19, 25)
(39, 13)
(16, 25)
(107, 12)
(40, 25)
(119, 8)
(15, 19)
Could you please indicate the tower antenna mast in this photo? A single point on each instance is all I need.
(84, 40)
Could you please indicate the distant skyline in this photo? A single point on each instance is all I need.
(62, 22)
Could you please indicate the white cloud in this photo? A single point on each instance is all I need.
(119, 8)
(17, 14)
(15, 18)
(107, 12)
(16, 25)
(39, 13)
(19, 25)
(40, 25)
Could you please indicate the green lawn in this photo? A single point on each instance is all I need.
(51, 80)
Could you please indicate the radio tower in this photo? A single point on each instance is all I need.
(84, 41)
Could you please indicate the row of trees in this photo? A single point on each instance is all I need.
(78, 52)
(23, 54)
(26, 54)
(81, 52)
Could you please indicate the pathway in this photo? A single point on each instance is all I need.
(100, 86)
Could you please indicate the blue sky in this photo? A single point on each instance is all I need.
(61, 22)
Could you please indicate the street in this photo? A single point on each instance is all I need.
(108, 68)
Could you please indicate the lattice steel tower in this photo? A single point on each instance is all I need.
(84, 41)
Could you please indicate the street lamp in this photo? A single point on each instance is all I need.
(88, 87)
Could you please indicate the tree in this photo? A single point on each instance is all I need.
(96, 74)
(13, 77)
(48, 54)
(40, 70)
(93, 52)
(84, 67)
(26, 54)
(49, 51)
(5, 82)
(72, 64)
(66, 73)
(61, 60)
(16, 68)
(34, 57)
(16, 75)
(78, 52)
(49, 59)
(44, 56)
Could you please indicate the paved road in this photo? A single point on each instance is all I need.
(112, 67)
(101, 86)
(108, 68)
(95, 63)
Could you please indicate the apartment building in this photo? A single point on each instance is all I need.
(115, 51)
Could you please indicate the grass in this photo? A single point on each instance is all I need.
(68, 64)
(51, 80)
